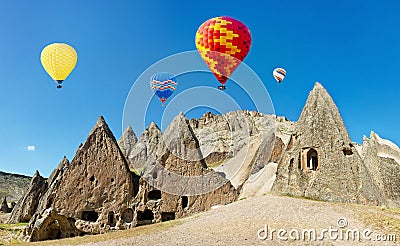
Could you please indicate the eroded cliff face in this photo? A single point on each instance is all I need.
(382, 159)
(236, 145)
(89, 195)
(320, 161)
(176, 181)
(96, 191)
(127, 141)
(199, 163)
(27, 205)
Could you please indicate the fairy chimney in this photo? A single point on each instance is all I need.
(320, 161)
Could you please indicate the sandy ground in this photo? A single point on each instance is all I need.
(239, 223)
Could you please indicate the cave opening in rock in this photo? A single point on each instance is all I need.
(312, 159)
(53, 231)
(145, 215)
(347, 151)
(135, 180)
(185, 202)
(154, 195)
(91, 216)
(165, 216)
(111, 219)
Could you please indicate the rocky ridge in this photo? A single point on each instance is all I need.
(199, 163)
(13, 186)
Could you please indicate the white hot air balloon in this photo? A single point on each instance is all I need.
(279, 74)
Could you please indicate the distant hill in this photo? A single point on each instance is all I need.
(13, 186)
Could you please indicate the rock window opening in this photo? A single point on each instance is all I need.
(312, 159)
(154, 195)
(185, 201)
(165, 216)
(90, 216)
(291, 163)
(347, 151)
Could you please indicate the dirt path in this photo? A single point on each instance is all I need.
(238, 224)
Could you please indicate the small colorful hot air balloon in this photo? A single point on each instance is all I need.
(223, 43)
(163, 84)
(58, 60)
(279, 74)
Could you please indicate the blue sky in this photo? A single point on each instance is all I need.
(351, 47)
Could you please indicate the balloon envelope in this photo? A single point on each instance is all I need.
(58, 59)
(279, 74)
(163, 84)
(223, 43)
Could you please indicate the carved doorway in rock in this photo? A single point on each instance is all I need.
(312, 159)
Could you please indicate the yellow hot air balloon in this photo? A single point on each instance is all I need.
(58, 60)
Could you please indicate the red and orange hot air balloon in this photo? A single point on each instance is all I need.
(223, 43)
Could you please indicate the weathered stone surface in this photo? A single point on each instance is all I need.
(4, 206)
(98, 178)
(179, 169)
(259, 183)
(50, 225)
(382, 159)
(26, 206)
(223, 135)
(149, 146)
(320, 161)
(241, 143)
(97, 192)
(89, 195)
(53, 183)
(127, 141)
(183, 155)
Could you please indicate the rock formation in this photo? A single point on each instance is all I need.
(222, 136)
(127, 141)
(89, 195)
(97, 192)
(198, 163)
(320, 161)
(382, 159)
(50, 225)
(26, 206)
(176, 181)
(149, 146)
(4, 206)
(53, 183)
